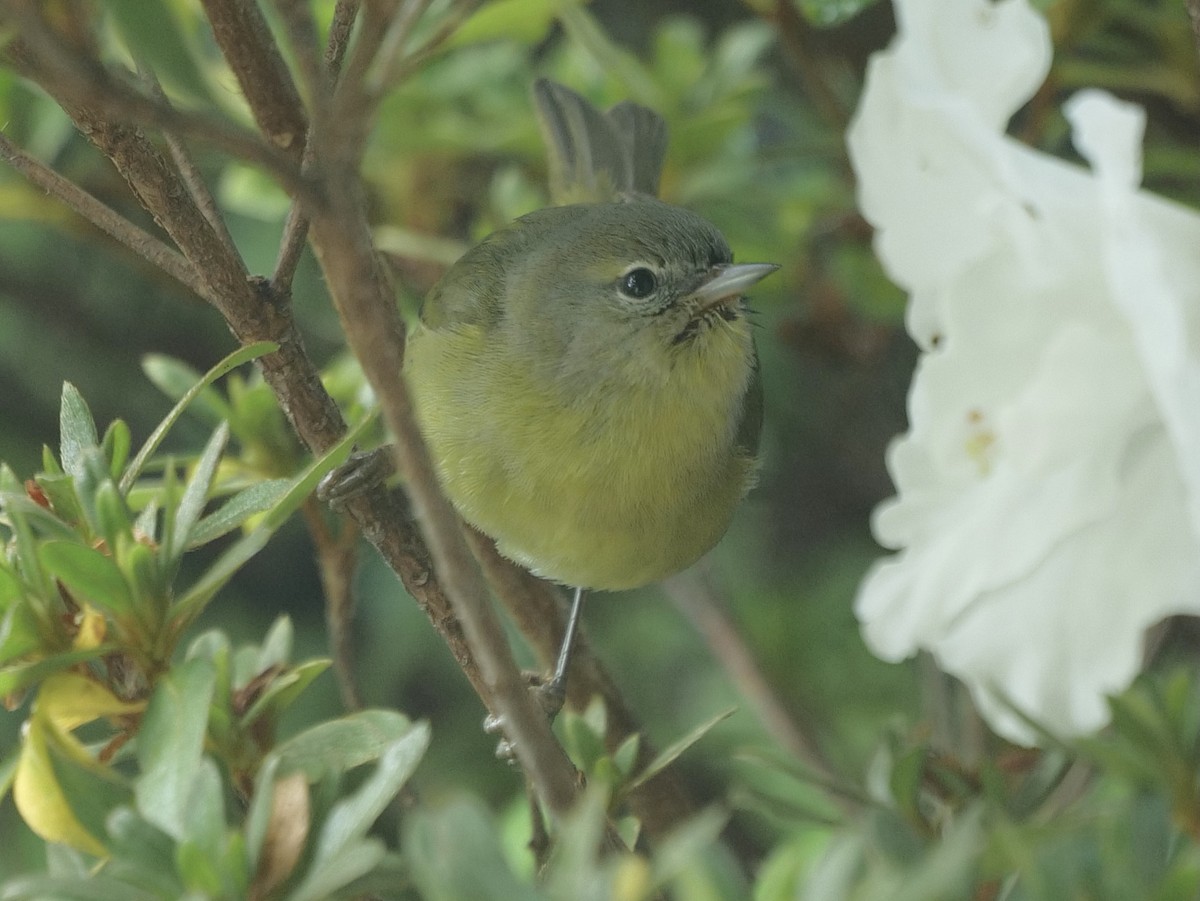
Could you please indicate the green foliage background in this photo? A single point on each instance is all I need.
(756, 97)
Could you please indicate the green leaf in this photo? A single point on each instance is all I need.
(93, 888)
(283, 690)
(77, 430)
(351, 817)
(89, 574)
(688, 845)
(327, 876)
(276, 649)
(18, 633)
(235, 557)
(335, 746)
(523, 21)
(195, 494)
(10, 587)
(142, 848)
(116, 444)
(235, 359)
(239, 508)
(669, 754)
(171, 742)
(91, 790)
(61, 493)
(113, 517)
(454, 855)
(20, 675)
(198, 857)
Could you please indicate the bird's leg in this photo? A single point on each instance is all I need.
(550, 694)
(554, 692)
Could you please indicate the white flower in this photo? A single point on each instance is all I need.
(1048, 506)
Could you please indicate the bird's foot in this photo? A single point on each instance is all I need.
(362, 472)
(550, 695)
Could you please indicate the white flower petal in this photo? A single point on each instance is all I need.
(1048, 505)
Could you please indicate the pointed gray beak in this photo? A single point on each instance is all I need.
(730, 281)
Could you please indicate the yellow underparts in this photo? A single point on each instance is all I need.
(610, 487)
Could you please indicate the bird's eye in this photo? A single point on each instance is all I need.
(638, 283)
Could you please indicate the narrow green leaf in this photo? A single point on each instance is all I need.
(335, 746)
(18, 633)
(116, 444)
(10, 586)
(171, 742)
(60, 491)
(454, 853)
(324, 878)
(669, 754)
(144, 848)
(276, 649)
(195, 494)
(523, 21)
(199, 856)
(20, 675)
(92, 792)
(280, 694)
(236, 556)
(113, 516)
(89, 574)
(77, 429)
(174, 378)
(351, 817)
(235, 359)
(239, 508)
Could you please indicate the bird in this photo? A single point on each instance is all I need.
(586, 377)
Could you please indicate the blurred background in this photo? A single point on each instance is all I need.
(757, 96)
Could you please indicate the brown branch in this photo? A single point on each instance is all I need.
(256, 311)
(245, 40)
(301, 32)
(342, 240)
(337, 558)
(109, 221)
(190, 173)
(84, 82)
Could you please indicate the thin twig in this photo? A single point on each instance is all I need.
(190, 172)
(295, 228)
(694, 595)
(86, 83)
(363, 298)
(402, 67)
(108, 220)
(392, 46)
(337, 558)
(340, 28)
(246, 42)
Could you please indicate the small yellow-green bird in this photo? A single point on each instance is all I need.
(586, 378)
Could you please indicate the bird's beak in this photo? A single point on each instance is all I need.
(728, 282)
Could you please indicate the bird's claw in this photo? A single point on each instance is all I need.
(550, 696)
(362, 471)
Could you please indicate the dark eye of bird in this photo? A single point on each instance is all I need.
(638, 283)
